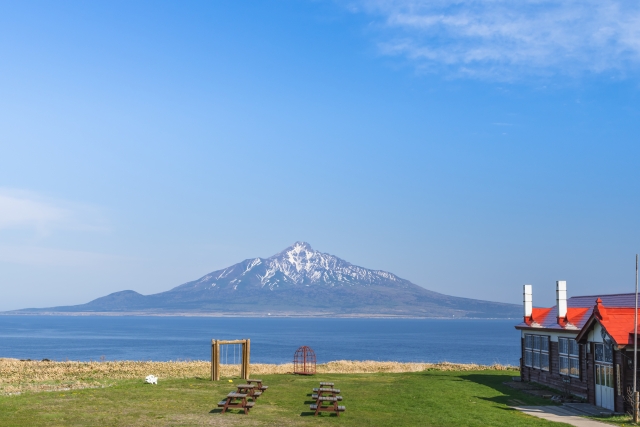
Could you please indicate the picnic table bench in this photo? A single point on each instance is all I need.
(249, 390)
(259, 385)
(324, 384)
(236, 401)
(332, 407)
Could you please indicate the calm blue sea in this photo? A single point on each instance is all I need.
(273, 340)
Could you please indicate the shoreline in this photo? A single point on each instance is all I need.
(245, 315)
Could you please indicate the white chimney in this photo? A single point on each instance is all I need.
(527, 300)
(561, 298)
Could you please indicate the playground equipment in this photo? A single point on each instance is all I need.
(243, 354)
(304, 361)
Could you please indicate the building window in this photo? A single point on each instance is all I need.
(569, 352)
(536, 351)
(604, 353)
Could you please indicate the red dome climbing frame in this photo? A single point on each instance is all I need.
(304, 361)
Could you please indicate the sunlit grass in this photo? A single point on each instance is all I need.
(428, 398)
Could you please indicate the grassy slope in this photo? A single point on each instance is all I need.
(430, 398)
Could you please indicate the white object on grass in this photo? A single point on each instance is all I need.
(151, 379)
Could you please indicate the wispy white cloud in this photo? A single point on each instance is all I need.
(29, 219)
(55, 257)
(30, 211)
(509, 39)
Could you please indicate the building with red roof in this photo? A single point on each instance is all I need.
(583, 344)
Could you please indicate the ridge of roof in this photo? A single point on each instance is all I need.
(601, 295)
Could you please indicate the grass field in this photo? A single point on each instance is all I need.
(428, 398)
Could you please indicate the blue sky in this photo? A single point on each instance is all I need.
(468, 146)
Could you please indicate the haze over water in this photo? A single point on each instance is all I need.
(273, 340)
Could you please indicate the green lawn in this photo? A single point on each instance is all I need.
(430, 398)
(621, 420)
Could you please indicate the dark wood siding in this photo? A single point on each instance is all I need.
(618, 391)
(626, 380)
(552, 378)
(589, 371)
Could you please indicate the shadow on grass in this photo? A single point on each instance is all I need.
(502, 404)
(321, 414)
(232, 411)
(507, 396)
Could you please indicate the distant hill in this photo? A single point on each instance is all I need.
(297, 281)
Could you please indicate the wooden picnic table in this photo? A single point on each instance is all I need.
(330, 391)
(258, 384)
(249, 390)
(332, 407)
(315, 396)
(236, 401)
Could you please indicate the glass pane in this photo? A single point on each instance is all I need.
(599, 353)
(544, 361)
(608, 354)
(611, 376)
(564, 365)
(536, 342)
(562, 345)
(527, 358)
(536, 360)
(544, 343)
(573, 348)
(528, 343)
(574, 367)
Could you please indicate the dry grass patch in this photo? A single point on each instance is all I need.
(19, 376)
(371, 367)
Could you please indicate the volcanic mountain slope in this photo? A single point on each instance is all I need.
(297, 281)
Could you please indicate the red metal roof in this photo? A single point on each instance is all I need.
(579, 310)
(538, 316)
(617, 321)
(575, 317)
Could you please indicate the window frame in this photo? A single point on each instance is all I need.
(568, 356)
(536, 351)
(607, 353)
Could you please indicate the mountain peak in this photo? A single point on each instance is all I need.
(299, 251)
(300, 246)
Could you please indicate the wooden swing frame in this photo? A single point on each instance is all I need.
(245, 356)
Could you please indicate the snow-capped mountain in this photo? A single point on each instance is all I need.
(298, 265)
(297, 281)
